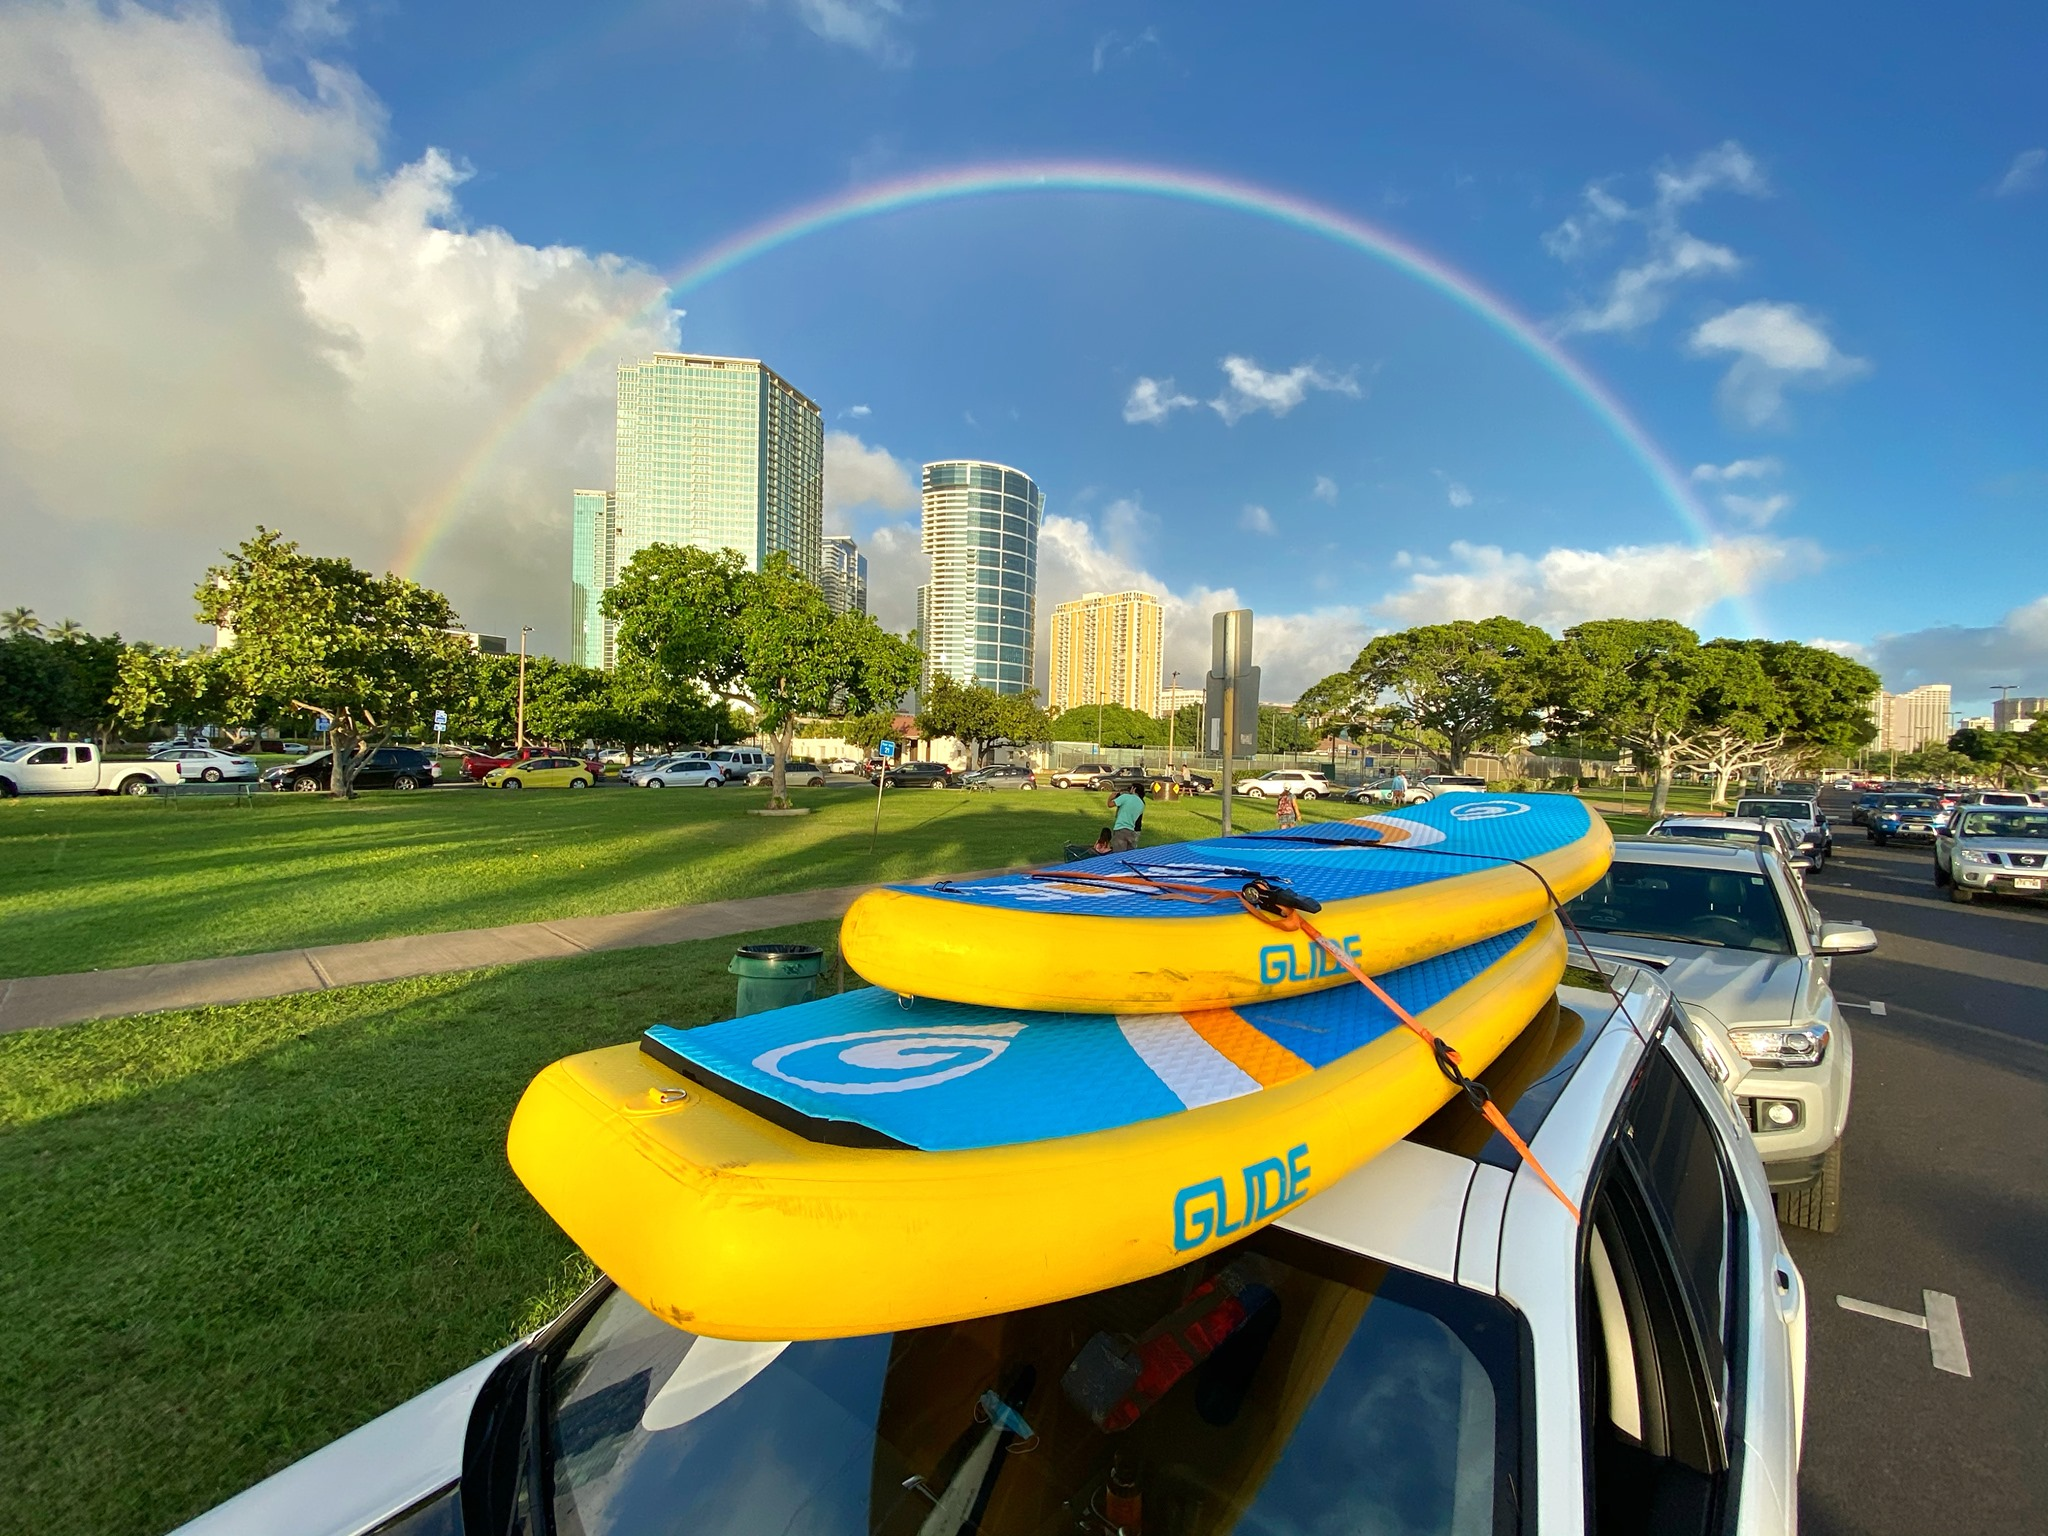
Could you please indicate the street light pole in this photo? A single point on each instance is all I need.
(519, 726)
(1172, 717)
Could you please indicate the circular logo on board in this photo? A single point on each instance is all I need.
(1488, 810)
(887, 1060)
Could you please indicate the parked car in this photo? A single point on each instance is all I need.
(1993, 850)
(1000, 776)
(845, 765)
(1808, 822)
(384, 768)
(1797, 789)
(1767, 832)
(688, 770)
(1306, 783)
(799, 770)
(206, 765)
(76, 768)
(2005, 797)
(1549, 1374)
(1737, 942)
(737, 762)
(1905, 818)
(1092, 774)
(1865, 804)
(541, 773)
(914, 775)
(1445, 784)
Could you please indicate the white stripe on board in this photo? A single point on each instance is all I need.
(1193, 1069)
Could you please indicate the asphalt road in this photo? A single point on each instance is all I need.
(1945, 1188)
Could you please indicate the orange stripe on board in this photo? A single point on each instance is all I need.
(1258, 1056)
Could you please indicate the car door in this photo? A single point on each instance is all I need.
(47, 771)
(1688, 1312)
(376, 771)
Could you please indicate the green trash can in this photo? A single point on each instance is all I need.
(775, 975)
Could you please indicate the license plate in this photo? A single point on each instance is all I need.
(2027, 883)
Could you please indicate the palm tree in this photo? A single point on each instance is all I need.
(21, 621)
(68, 629)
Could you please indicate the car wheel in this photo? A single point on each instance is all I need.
(1311, 794)
(211, 775)
(1253, 791)
(655, 783)
(510, 784)
(579, 783)
(1027, 784)
(713, 782)
(1880, 841)
(405, 781)
(306, 786)
(1961, 895)
(1816, 1207)
(137, 785)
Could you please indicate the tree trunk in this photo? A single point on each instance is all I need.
(1660, 797)
(342, 761)
(778, 782)
(1723, 772)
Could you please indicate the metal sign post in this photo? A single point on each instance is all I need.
(440, 725)
(1230, 722)
(886, 751)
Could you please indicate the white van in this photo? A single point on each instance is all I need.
(737, 762)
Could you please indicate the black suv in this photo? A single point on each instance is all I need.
(385, 768)
(918, 776)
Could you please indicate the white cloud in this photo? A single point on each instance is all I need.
(1757, 511)
(1855, 650)
(1774, 346)
(2023, 175)
(1971, 659)
(1255, 519)
(1637, 294)
(1457, 495)
(281, 328)
(1153, 400)
(1564, 586)
(1740, 469)
(857, 475)
(1249, 388)
(866, 25)
(1114, 48)
(857, 411)
(1325, 490)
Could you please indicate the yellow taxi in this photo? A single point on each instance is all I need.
(540, 773)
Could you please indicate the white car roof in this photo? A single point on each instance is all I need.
(1693, 855)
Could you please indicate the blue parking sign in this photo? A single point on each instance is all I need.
(322, 723)
(440, 719)
(886, 749)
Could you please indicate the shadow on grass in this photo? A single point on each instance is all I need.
(236, 1233)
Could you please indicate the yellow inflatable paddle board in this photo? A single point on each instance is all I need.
(1162, 928)
(858, 1165)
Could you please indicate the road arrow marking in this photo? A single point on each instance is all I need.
(1942, 1323)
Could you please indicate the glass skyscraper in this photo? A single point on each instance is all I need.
(845, 578)
(593, 568)
(977, 616)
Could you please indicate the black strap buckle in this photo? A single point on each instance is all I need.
(1277, 899)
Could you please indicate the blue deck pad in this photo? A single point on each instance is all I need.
(941, 1076)
(1388, 850)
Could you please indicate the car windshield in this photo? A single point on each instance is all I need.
(1911, 803)
(1727, 908)
(1341, 1395)
(2006, 824)
(1791, 810)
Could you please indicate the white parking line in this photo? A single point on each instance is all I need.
(1942, 1323)
(1876, 1008)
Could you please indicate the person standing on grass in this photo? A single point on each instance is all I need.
(1397, 787)
(1128, 810)
(1285, 812)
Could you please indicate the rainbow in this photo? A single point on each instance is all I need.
(917, 191)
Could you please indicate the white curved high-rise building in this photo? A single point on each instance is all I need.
(978, 615)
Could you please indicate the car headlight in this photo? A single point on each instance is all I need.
(1801, 1047)
(1972, 856)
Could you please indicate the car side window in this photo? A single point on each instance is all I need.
(49, 756)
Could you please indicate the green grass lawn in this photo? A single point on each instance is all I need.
(236, 1233)
(97, 883)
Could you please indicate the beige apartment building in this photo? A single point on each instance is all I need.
(1906, 722)
(1105, 649)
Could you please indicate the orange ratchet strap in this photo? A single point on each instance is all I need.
(1284, 910)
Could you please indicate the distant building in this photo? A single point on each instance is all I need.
(1906, 722)
(2006, 714)
(593, 571)
(1974, 723)
(845, 576)
(1105, 650)
(977, 615)
(485, 645)
(712, 453)
(1173, 700)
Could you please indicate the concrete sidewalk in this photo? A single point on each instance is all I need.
(37, 1002)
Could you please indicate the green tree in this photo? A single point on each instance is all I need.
(1638, 683)
(766, 641)
(868, 731)
(1936, 760)
(2012, 757)
(1107, 725)
(1740, 719)
(20, 622)
(1445, 690)
(1823, 697)
(372, 653)
(59, 683)
(32, 686)
(158, 687)
(978, 716)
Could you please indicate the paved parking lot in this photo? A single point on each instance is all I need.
(1945, 1189)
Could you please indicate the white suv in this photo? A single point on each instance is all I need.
(1552, 1371)
(1306, 783)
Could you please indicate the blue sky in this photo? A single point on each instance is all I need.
(1803, 250)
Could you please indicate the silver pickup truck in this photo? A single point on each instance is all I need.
(76, 768)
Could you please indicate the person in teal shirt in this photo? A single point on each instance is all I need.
(1129, 809)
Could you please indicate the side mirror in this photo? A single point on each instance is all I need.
(1845, 939)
